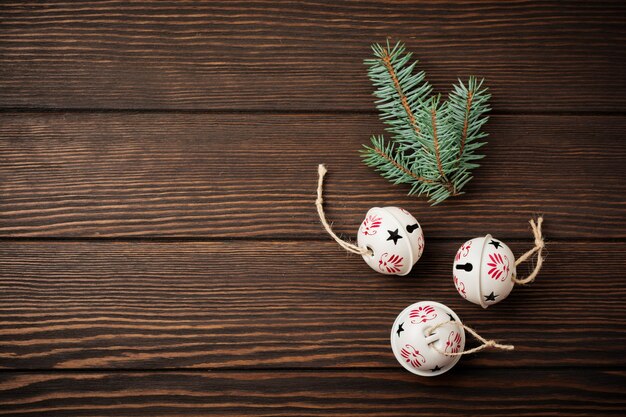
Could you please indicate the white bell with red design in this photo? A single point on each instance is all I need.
(422, 350)
(394, 238)
(484, 269)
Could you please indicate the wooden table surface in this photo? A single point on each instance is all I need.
(160, 253)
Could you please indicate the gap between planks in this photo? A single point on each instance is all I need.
(616, 368)
(373, 111)
(208, 239)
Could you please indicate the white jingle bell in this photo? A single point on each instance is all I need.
(390, 240)
(428, 339)
(484, 268)
(394, 239)
(483, 271)
(421, 351)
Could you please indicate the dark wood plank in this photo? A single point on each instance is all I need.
(280, 304)
(97, 175)
(537, 56)
(468, 392)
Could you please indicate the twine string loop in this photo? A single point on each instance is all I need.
(321, 171)
(485, 343)
(538, 249)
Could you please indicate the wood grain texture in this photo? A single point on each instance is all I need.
(484, 392)
(281, 304)
(537, 56)
(229, 175)
(160, 253)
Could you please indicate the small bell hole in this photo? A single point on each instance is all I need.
(465, 267)
(370, 250)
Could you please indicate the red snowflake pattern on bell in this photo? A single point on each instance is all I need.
(370, 225)
(422, 314)
(460, 287)
(499, 267)
(463, 250)
(454, 342)
(390, 264)
(412, 356)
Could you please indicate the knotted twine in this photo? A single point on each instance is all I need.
(539, 246)
(485, 343)
(321, 170)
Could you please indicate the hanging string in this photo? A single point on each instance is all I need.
(485, 343)
(321, 171)
(539, 246)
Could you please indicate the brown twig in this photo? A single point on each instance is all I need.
(468, 105)
(386, 58)
(403, 169)
(445, 183)
(433, 116)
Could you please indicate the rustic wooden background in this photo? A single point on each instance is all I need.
(160, 253)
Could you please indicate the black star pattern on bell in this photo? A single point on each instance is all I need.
(436, 368)
(491, 297)
(495, 244)
(393, 235)
(451, 317)
(411, 227)
(400, 329)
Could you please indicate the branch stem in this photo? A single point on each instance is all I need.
(433, 115)
(401, 168)
(396, 83)
(468, 106)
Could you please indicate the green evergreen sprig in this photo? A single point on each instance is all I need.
(434, 142)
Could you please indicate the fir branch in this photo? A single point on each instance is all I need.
(467, 106)
(400, 93)
(397, 165)
(434, 143)
(386, 58)
(391, 164)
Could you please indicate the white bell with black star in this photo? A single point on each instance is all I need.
(427, 338)
(390, 240)
(484, 271)
(393, 238)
